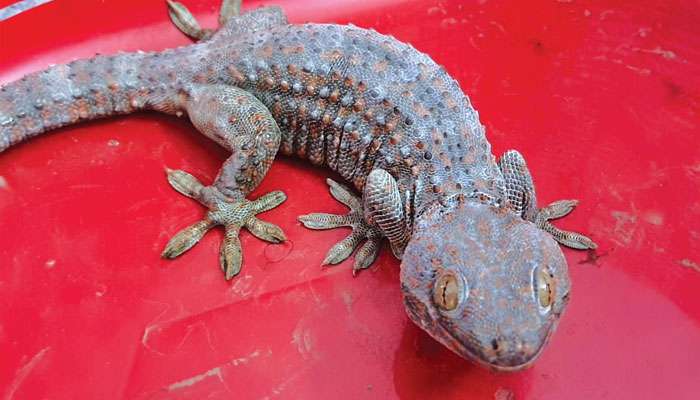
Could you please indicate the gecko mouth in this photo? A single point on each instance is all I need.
(503, 362)
(508, 363)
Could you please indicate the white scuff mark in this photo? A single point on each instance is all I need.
(448, 22)
(243, 286)
(639, 70)
(643, 32)
(439, 9)
(49, 264)
(245, 360)
(216, 371)
(317, 299)
(23, 372)
(197, 378)
(688, 263)
(146, 335)
(625, 227)
(277, 390)
(347, 300)
(3, 182)
(189, 329)
(498, 26)
(667, 54)
(654, 218)
(605, 14)
(301, 337)
(473, 43)
(154, 324)
(113, 143)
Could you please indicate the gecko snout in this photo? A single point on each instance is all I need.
(511, 353)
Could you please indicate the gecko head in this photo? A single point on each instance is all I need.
(485, 283)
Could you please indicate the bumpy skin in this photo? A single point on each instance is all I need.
(381, 114)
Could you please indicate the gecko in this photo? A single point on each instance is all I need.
(481, 268)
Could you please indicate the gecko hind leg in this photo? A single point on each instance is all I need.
(361, 230)
(187, 23)
(241, 123)
(521, 198)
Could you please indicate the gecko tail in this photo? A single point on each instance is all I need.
(84, 90)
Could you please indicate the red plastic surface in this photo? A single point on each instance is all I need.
(601, 97)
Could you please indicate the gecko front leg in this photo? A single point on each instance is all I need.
(361, 230)
(521, 198)
(238, 121)
(377, 215)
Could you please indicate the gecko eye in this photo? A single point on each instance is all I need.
(544, 287)
(449, 291)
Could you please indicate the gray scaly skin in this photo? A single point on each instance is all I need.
(481, 271)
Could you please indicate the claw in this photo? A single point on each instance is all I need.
(230, 256)
(186, 238)
(342, 250)
(344, 195)
(184, 183)
(265, 230)
(269, 201)
(324, 221)
(366, 255)
(557, 209)
(570, 239)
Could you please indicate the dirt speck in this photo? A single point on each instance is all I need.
(592, 257)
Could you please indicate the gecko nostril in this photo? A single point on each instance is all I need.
(494, 344)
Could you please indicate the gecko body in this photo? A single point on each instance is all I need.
(481, 270)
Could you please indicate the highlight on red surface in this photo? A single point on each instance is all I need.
(602, 98)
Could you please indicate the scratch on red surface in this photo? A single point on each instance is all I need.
(23, 372)
(690, 264)
(216, 371)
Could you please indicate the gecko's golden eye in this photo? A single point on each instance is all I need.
(448, 291)
(544, 286)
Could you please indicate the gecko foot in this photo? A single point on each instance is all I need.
(361, 230)
(187, 23)
(232, 214)
(560, 209)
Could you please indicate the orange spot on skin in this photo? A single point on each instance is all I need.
(420, 109)
(381, 66)
(236, 74)
(331, 56)
(288, 50)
